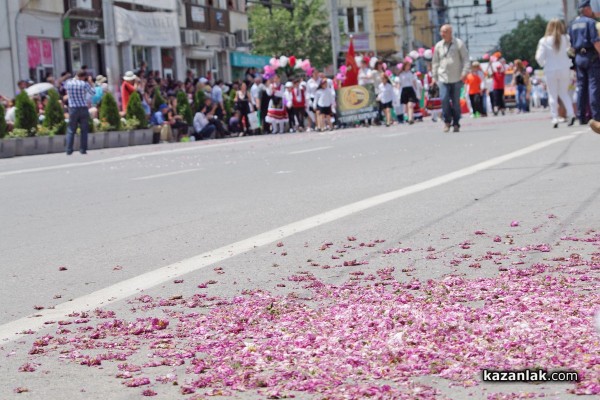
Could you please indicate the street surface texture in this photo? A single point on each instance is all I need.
(386, 263)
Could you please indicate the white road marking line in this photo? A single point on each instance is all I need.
(311, 150)
(122, 290)
(123, 158)
(284, 172)
(578, 132)
(391, 135)
(166, 174)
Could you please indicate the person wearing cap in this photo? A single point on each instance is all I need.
(161, 123)
(78, 89)
(450, 66)
(288, 102)
(585, 41)
(129, 85)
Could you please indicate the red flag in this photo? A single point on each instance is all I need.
(351, 67)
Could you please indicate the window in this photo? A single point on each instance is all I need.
(355, 20)
(140, 54)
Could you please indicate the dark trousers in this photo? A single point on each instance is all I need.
(499, 99)
(78, 116)
(450, 94)
(476, 103)
(588, 86)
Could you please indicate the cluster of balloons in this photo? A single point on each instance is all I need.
(286, 63)
(497, 56)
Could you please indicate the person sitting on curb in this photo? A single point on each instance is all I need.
(161, 123)
(203, 129)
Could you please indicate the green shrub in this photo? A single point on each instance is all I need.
(25, 115)
(229, 104)
(136, 111)
(109, 112)
(184, 109)
(157, 99)
(131, 124)
(18, 133)
(54, 117)
(199, 100)
(3, 128)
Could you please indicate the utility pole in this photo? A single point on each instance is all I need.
(335, 32)
(111, 55)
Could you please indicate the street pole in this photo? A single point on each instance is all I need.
(111, 57)
(335, 32)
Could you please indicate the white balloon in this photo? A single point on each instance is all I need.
(414, 54)
(358, 60)
(298, 63)
(428, 54)
(283, 61)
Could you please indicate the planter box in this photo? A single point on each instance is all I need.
(8, 148)
(96, 140)
(58, 144)
(32, 145)
(117, 139)
(140, 137)
(42, 144)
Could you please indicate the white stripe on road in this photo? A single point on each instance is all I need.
(311, 150)
(124, 158)
(166, 174)
(133, 286)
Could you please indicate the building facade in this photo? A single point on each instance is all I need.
(41, 38)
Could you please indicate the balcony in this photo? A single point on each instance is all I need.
(206, 18)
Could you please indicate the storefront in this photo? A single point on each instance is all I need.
(241, 62)
(40, 47)
(81, 43)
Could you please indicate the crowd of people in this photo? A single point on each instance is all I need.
(447, 86)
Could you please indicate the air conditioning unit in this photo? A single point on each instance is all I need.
(228, 42)
(242, 36)
(82, 4)
(192, 38)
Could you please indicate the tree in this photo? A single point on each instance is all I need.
(157, 99)
(25, 115)
(54, 117)
(522, 41)
(183, 108)
(109, 112)
(2, 122)
(199, 100)
(135, 110)
(306, 35)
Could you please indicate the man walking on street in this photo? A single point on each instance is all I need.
(586, 43)
(77, 91)
(450, 66)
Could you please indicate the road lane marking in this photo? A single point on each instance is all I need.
(311, 150)
(166, 174)
(130, 287)
(124, 158)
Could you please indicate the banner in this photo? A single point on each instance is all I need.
(356, 103)
(147, 28)
(170, 5)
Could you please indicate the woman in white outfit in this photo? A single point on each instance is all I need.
(552, 55)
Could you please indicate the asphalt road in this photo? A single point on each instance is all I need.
(94, 231)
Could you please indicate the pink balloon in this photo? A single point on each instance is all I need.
(486, 56)
(493, 59)
(305, 65)
(529, 70)
(388, 73)
(276, 64)
(399, 65)
(421, 51)
(272, 62)
(343, 69)
(340, 77)
(384, 66)
(408, 59)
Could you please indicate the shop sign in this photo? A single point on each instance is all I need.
(80, 28)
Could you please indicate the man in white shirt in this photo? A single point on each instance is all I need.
(255, 92)
(202, 128)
